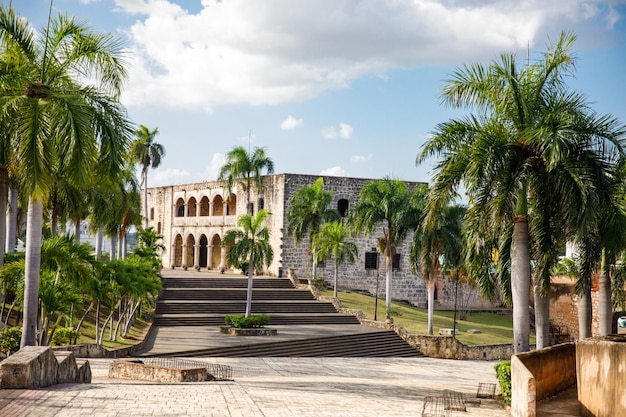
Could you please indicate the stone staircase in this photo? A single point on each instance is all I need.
(205, 301)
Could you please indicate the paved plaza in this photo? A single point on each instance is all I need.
(269, 387)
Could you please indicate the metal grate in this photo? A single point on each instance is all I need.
(218, 372)
(434, 407)
(486, 390)
(455, 401)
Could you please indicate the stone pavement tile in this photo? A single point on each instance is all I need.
(276, 387)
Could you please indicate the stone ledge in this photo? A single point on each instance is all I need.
(142, 372)
(255, 331)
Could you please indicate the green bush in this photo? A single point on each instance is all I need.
(10, 341)
(64, 336)
(503, 373)
(240, 321)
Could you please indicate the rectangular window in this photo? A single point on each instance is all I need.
(159, 228)
(371, 260)
(396, 261)
(152, 213)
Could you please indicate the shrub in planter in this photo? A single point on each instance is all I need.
(10, 340)
(503, 373)
(240, 321)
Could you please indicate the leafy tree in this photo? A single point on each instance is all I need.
(531, 144)
(307, 211)
(245, 168)
(62, 87)
(251, 242)
(435, 246)
(148, 153)
(388, 206)
(331, 242)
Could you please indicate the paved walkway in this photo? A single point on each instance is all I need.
(270, 387)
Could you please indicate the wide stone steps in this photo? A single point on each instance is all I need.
(373, 344)
(225, 307)
(258, 294)
(275, 319)
(230, 282)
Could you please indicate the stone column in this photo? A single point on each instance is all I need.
(198, 208)
(173, 256)
(223, 259)
(209, 256)
(196, 257)
(184, 262)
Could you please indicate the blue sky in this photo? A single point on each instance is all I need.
(335, 87)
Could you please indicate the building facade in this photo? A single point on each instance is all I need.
(193, 219)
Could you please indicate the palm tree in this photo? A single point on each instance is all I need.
(387, 204)
(437, 245)
(331, 242)
(148, 153)
(251, 242)
(532, 144)
(245, 168)
(62, 87)
(307, 210)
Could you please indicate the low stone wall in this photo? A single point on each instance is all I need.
(540, 374)
(40, 366)
(601, 368)
(92, 350)
(142, 372)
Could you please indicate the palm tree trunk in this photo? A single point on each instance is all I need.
(145, 199)
(80, 322)
(4, 196)
(113, 247)
(336, 278)
(388, 273)
(32, 265)
(77, 231)
(98, 243)
(584, 314)
(11, 219)
(520, 284)
(249, 293)
(430, 287)
(605, 306)
(542, 317)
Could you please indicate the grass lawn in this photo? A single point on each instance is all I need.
(494, 328)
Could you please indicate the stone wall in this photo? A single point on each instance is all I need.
(40, 366)
(142, 372)
(601, 372)
(540, 374)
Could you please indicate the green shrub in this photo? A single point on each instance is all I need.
(503, 373)
(64, 336)
(240, 321)
(10, 341)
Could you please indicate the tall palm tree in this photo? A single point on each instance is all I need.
(251, 242)
(245, 168)
(531, 144)
(435, 245)
(148, 153)
(331, 242)
(387, 205)
(307, 209)
(62, 87)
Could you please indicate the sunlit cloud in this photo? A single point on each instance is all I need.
(290, 123)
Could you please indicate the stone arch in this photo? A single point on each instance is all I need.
(218, 205)
(204, 206)
(342, 207)
(204, 251)
(231, 205)
(192, 205)
(178, 250)
(216, 252)
(191, 249)
(180, 208)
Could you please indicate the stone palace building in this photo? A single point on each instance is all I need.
(193, 218)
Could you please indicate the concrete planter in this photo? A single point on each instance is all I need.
(255, 331)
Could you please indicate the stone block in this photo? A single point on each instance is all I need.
(142, 372)
(30, 367)
(67, 369)
(83, 374)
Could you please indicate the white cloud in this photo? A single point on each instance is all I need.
(358, 159)
(335, 171)
(344, 131)
(160, 177)
(213, 169)
(290, 123)
(270, 52)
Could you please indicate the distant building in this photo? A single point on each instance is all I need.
(193, 218)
